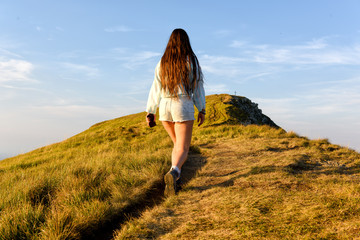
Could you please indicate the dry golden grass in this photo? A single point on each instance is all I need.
(260, 183)
(70, 189)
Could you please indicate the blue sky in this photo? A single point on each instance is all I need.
(66, 65)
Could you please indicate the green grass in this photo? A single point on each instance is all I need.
(258, 182)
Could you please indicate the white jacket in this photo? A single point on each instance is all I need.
(157, 92)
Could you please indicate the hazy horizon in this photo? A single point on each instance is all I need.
(4, 156)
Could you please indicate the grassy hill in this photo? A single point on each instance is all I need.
(242, 182)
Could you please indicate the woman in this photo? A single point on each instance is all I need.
(177, 86)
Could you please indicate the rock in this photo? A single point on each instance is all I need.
(246, 112)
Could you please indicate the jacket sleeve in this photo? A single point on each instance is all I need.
(155, 93)
(199, 96)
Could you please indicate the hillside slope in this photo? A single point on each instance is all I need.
(72, 189)
(260, 183)
(85, 186)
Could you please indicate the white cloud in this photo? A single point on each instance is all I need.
(283, 107)
(237, 44)
(14, 70)
(315, 44)
(322, 101)
(9, 53)
(223, 33)
(9, 43)
(257, 75)
(82, 69)
(144, 56)
(120, 50)
(221, 65)
(140, 58)
(120, 28)
(216, 88)
(221, 59)
(132, 60)
(71, 110)
(316, 51)
(253, 61)
(343, 82)
(335, 99)
(236, 69)
(71, 54)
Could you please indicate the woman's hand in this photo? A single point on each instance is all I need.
(201, 118)
(150, 119)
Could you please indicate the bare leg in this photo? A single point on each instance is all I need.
(180, 133)
(170, 128)
(183, 133)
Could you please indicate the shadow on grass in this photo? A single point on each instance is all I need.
(350, 170)
(230, 182)
(342, 170)
(297, 168)
(192, 165)
(147, 200)
(303, 163)
(306, 164)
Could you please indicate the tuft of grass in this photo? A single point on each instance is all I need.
(42, 192)
(21, 222)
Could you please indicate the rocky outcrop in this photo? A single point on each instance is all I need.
(242, 110)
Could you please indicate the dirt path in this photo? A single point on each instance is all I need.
(217, 166)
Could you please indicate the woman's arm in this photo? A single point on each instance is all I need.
(199, 101)
(199, 96)
(155, 93)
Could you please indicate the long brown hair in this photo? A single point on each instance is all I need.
(177, 63)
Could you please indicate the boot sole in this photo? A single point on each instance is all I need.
(170, 187)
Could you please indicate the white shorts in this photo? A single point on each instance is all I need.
(176, 109)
